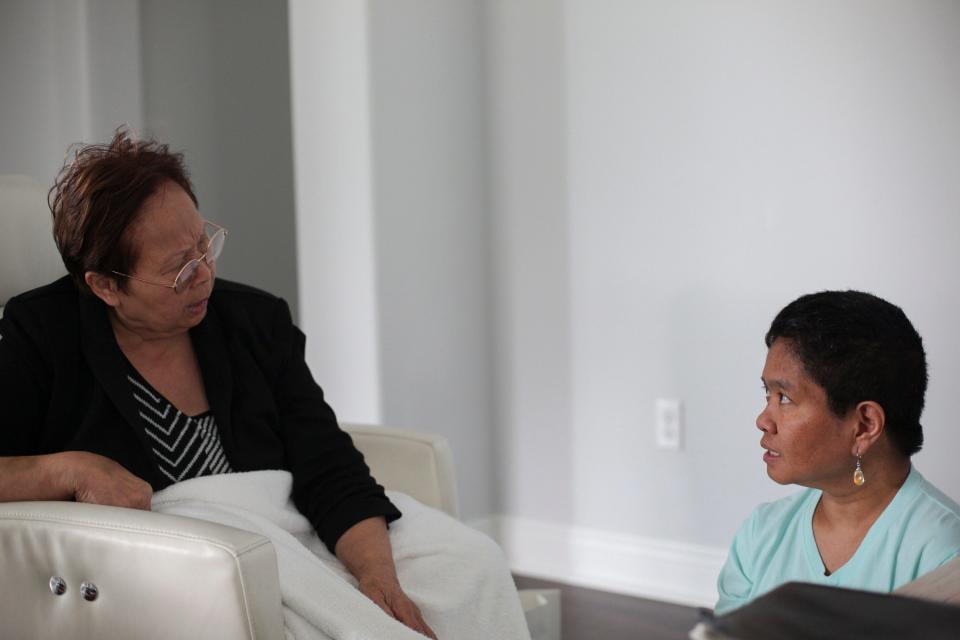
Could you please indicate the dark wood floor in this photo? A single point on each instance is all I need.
(597, 615)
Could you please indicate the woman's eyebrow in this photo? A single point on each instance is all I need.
(183, 253)
(777, 382)
(176, 255)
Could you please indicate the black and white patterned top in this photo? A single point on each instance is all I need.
(183, 446)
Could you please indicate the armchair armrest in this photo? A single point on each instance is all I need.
(416, 463)
(156, 575)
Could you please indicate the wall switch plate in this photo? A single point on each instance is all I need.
(669, 423)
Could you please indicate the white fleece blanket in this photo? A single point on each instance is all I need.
(456, 575)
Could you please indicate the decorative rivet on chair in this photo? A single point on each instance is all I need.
(58, 585)
(89, 591)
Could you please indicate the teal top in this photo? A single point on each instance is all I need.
(917, 532)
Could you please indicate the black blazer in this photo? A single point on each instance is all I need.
(63, 387)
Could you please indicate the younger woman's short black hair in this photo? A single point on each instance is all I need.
(860, 347)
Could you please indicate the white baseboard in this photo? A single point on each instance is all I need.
(621, 563)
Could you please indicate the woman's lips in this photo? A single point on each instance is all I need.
(198, 307)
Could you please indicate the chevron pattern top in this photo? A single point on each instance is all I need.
(183, 446)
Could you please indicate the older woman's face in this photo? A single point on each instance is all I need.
(169, 232)
(804, 442)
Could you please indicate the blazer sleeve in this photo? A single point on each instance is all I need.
(332, 485)
(22, 392)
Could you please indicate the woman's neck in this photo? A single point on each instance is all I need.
(850, 505)
(133, 339)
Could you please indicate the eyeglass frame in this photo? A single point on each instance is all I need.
(198, 260)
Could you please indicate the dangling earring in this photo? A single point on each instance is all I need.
(858, 478)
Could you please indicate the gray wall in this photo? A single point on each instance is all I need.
(390, 142)
(216, 85)
(64, 69)
(530, 256)
(431, 228)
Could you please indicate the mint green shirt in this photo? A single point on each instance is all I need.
(917, 532)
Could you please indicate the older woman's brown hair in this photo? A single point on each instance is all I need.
(97, 197)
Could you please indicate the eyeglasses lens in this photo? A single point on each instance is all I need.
(214, 249)
(216, 246)
(189, 270)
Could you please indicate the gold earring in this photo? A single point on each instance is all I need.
(858, 478)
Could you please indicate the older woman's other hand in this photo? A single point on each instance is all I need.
(385, 591)
(99, 480)
(364, 549)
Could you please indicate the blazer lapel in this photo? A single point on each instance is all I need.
(210, 345)
(106, 361)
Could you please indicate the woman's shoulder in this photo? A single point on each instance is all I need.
(241, 293)
(931, 513)
(52, 307)
(234, 298)
(245, 309)
(39, 326)
(59, 293)
(936, 499)
(921, 527)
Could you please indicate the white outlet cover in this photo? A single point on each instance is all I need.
(669, 423)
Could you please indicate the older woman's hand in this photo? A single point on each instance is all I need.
(72, 475)
(364, 549)
(384, 589)
(99, 480)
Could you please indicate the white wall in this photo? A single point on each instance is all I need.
(661, 178)
(723, 160)
(720, 159)
(334, 202)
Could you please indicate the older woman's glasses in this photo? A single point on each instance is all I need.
(217, 235)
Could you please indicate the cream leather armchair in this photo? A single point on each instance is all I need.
(83, 571)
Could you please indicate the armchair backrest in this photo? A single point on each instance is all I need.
(416, 463)
(28, 256)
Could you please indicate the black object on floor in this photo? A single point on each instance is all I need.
(807, 611)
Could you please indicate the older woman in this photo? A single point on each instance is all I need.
(845, 378)
(141, 369)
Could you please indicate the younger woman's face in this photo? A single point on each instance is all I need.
(804, 442)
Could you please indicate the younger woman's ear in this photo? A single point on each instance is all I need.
(871, 421)
(104, 287)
